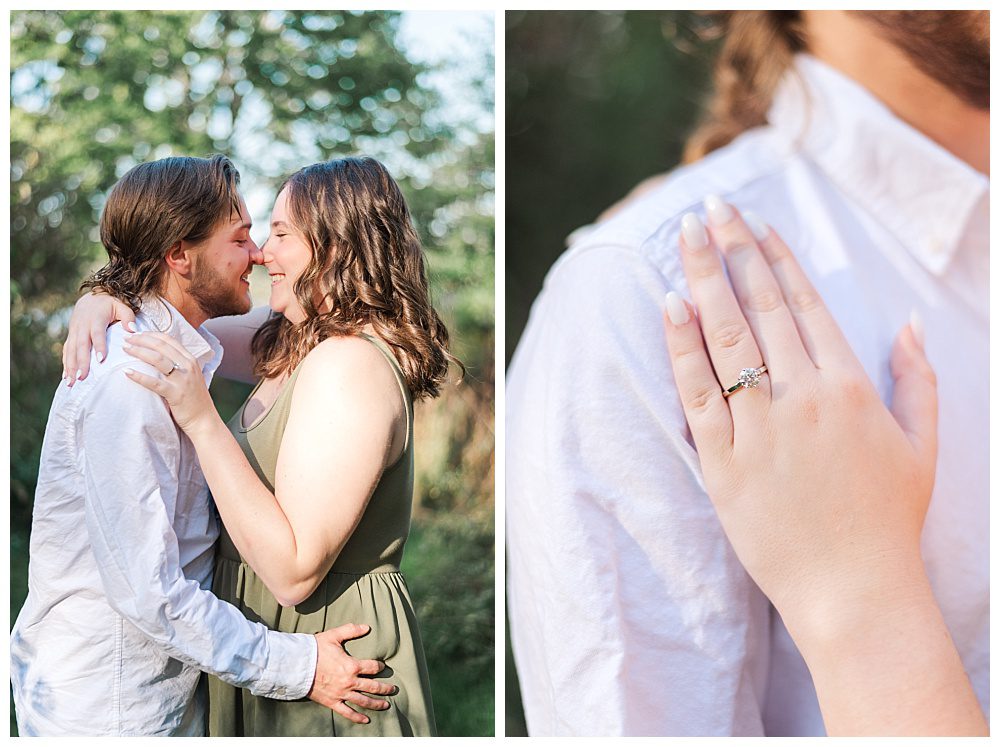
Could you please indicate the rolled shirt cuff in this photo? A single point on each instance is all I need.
(291, 666)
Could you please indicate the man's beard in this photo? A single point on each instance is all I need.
(214, 295)
(950, 46)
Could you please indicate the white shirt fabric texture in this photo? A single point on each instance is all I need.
(629, 612)
(119, 621)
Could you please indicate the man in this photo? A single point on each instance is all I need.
(870, 157)
(119, 622)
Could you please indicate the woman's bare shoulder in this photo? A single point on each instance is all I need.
(346, 366)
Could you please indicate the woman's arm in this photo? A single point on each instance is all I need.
(93, 313)
(235, 333)
(342, 431)
(96, 311)
(821, 490)
(884, 663)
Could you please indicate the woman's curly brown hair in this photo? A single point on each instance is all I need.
(368, 263)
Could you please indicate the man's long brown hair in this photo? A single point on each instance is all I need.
(758, 46)
(152, 207)
(757, 49)
(368, 264)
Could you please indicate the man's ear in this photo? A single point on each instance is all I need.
(180, 258)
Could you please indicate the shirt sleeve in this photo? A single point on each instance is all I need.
(629, 613)
(131, 455)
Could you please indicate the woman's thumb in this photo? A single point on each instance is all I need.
(914, 397)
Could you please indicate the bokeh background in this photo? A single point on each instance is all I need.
(596, 103)
(95, 92)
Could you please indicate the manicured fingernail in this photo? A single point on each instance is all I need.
(719, 211)
(578, 233)
(917, 325)
(129, 371)
(695, 235)
(79, 374)
(676, 309)
(130, 326)
(757, 227)
(100, 357)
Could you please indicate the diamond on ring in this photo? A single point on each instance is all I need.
(749, 378)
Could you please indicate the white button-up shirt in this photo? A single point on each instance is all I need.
(629, 612)
(119, 621)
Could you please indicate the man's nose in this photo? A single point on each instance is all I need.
(256, 254)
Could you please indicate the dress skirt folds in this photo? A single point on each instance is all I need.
(380, 600)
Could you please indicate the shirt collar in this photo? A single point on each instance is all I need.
(201, 343)
(919, 191)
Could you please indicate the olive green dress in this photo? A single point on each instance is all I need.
(363, 586)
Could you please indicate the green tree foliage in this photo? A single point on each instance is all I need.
(596, 102)
(95, 92)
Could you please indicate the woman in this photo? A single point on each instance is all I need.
(834, 542)
(313, 476)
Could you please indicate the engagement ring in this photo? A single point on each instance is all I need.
(749, 378)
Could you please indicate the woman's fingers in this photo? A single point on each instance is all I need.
(92, 315)
(759, 296)
(180, 381)
(99, 339)
(152, 383)
(162, 363)
(163, 344)
(820, 334)
(730, 342)
(76, 354)
(914, 397)
(707, 413)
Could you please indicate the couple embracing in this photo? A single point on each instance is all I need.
(295, 604)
